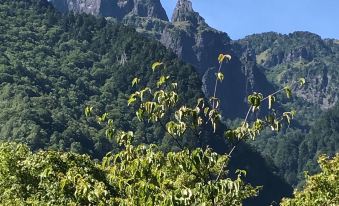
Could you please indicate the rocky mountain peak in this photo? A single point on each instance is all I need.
(184, 12)
(149, 8)
(114, 8)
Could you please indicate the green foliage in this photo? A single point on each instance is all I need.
(58, 74)
(141, 175)
(320, 189)
(54, 67)
(294, 152)
(285, 58)
(50, 178)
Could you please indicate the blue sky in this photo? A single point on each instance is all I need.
(244, 17)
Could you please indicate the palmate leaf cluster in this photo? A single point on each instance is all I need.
(140, 175)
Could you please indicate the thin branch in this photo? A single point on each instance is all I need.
(216, 85)
(248, 113)
(175, 139)
(228, 155)
(280, 90)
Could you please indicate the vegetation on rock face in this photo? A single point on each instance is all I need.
(286, 57)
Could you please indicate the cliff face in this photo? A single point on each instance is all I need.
(284, 58)
(194, 41)
(117, 8)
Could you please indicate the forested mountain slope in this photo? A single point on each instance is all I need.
(284, 58)
(296, 151)
(53, 66)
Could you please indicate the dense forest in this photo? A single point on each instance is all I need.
(54, 67)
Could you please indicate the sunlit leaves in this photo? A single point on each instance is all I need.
(176, 129)
(103, 117)
(276, 126)
(214, 116)
(215, 102)
(143, 91)
(288, 116)
(140, 175)
(109, 133)
(132, 98)
(135, 81)
(220, 76)
(321, 188)
(156, 65)
(271, 101)
(125, 138)
(288, 91)
(255, 100)
(302, 81)
(162, 80)
(223, 57)
(174, 85)
(88, 111)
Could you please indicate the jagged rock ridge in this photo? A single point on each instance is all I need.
(284, 58)
(114, 8)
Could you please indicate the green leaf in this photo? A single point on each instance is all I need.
(254, 100)
(135, 81)
(162, 80)
(88, 111)
(302, 81)
(109, 133)
(140, 114)
(220, 76)
(222, 57)
(110, 123)
(271, 100)
(155, 65)
(131, 99)
(288, 91)
(103, 117)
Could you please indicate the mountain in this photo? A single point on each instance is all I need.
(284, 58)
(117, 9)
(52, 66)
(260, 62)
(300, 54)
(192, 39)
